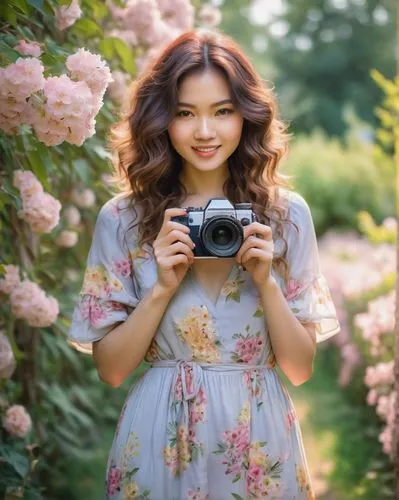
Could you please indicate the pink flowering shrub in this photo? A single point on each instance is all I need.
(39, 209)
(28, 300)
(17, 421)
(361, 276)
(28, 48)
(7, 359)
(65, 16)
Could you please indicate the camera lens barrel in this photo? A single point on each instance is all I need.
(221, 236)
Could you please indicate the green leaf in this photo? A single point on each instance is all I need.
(237, 497)
(126, 56)
(82, 168)
(20, 5)
(37, 4)
(106, 47)
(7, 51)
(7, 13)
(86, 28)
(16, 460)
(38, 167)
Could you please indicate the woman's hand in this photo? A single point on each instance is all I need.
(256, 253)
(173, 250)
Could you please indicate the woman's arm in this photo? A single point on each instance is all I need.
(294, 345)
(122, 350)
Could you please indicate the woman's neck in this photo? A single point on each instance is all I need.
(204, 185)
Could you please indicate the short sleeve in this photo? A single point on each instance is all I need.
(306, 290)
(109, 292)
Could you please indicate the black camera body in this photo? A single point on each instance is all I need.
(217, 229)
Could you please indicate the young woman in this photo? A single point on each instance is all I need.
(211, 419)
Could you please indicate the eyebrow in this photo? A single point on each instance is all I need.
(214, 105)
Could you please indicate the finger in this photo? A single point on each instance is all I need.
(262, 230)
(255, 253)
(172, 261)
(177, 247)
(170, 238)
(252, 242)
(168, 214)
(177, 235)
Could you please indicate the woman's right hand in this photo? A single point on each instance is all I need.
(173, 250)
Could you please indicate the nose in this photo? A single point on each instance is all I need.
(204, 130)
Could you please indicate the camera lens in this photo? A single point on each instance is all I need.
(221, 236)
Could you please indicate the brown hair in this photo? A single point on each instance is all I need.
(147, 166)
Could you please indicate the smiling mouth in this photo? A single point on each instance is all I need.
(206, 149)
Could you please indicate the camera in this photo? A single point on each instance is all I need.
(217, 230)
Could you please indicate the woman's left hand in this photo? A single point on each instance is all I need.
(256, 253)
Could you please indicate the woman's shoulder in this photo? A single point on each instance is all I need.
(120, 209)
(295, 205)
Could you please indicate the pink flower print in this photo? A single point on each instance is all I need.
(290, 419)
(91, 310)
(293, 288)
(122, 267)
(113, 480)
(248, 348)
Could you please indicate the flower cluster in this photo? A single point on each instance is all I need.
(83, 198)
(7, 359)
(28, 48)
(59, 108)
(39, 209)
(66, 16)
(28, 300)
(17, 82)
(17, 421)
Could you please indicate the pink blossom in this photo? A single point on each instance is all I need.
(17, 421)
(29, 302)
(84, 198)
(22, 78)
(72, 215)
(7, 360)
(11, 279)
(382, 373)
(68, 113)
(114, 478)
(91, 69)
(66, 16)
(28, 48)
(372, 397)
(118, 88)
(177, 14)
(209, 15)
(390, 223)
(67, 239)
(27, 183)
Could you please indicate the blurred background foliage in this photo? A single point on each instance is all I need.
(318, 54)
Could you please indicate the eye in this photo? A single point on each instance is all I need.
(225, 111)
(183, 115)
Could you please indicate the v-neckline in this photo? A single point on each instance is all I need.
(202, 290)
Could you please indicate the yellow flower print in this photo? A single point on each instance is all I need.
(245, 414)
(98, 281)
(152, 353)
(130, 491)
(196, 330)
(303, 482)
(232, 289)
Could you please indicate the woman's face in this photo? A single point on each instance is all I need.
(206, 116)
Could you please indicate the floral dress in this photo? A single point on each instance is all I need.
(211, 419)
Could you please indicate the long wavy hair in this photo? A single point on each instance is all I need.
(147, 168)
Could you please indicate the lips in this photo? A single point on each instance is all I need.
(205, 149)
